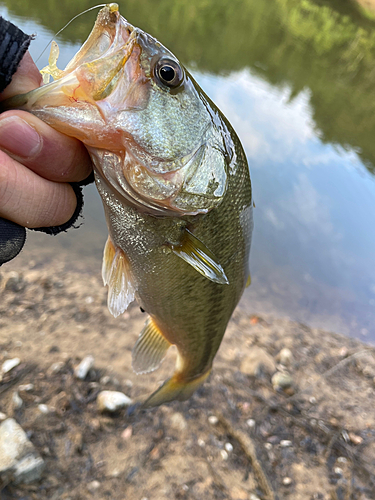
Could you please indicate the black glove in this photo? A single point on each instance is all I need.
(13, 46)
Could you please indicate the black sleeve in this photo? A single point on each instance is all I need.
(13, 46)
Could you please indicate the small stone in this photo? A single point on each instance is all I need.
(19, 461)
(287, 481)
(268, 446)
(251, 423)
(312, 400)
(257, 363)
(26, 387)
(17, 401)
(253, 497)
(228, 447)
(178, 422)
(15, 283)
(355, 439)
(285, 443)
(105, 380)
(93, 486)
(338, 471)
(285, 357)
(213, 420)
(127, 433)
(112, 401)
(9, 364)
(281, 381)
(55, 368)
(224, 455)
(84, 367)
(343, 352)
(201, 443)
(342, 460)
(43, 409)
(2, 416)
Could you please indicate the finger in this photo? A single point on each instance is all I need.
(26, 78)
(38, 146)
(31, 200)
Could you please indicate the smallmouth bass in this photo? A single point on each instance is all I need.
(175, 187)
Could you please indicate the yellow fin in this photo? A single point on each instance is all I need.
(195, 253)
(108, 256)
(150, 349)
(116, 274)
(248, 282)
(175, 388)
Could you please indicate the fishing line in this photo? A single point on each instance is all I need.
(67, 24)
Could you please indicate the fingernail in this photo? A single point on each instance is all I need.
(18, 137)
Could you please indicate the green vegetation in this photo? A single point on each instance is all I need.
(326, 46)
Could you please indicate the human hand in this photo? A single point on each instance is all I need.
(36, 162)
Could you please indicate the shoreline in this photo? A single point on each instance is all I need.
(310, 435)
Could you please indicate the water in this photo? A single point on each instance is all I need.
(296, 81)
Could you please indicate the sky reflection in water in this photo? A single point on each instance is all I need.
(313, 253)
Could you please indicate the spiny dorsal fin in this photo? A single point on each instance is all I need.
(150, 348)
(116, 274)
(195, 253)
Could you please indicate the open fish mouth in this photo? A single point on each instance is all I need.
(126, 97)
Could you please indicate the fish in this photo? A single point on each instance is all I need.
(175, 186)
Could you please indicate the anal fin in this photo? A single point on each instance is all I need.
(150, 348)
(195, 253)
(116, 274)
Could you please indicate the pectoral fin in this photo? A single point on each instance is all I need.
(195, 253)
(150, 349)
(116, 274)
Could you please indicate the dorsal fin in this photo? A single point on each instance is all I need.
(150, 348)
(116, 274)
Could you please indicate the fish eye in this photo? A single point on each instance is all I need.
(169, 73)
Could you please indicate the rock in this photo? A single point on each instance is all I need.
(9, 364)
(251, 423)
(17, 401)
(15, 283)
(281, 381)
(228, 447)
(213, 420)
(285, 357)
(285, 443)
(26, 387)
(19, 461)
(257, 363)
(287, 481)
(2, 416)
(55, 368)
(84, 367)
(366, 364)
(178, 422)
(93, 486)
(112, 401)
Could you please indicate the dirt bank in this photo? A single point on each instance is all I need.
(239, 437)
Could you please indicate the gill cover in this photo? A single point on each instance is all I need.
(128, 96)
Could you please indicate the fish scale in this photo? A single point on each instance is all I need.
(175, 186)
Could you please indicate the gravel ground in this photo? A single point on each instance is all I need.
(288, 411)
